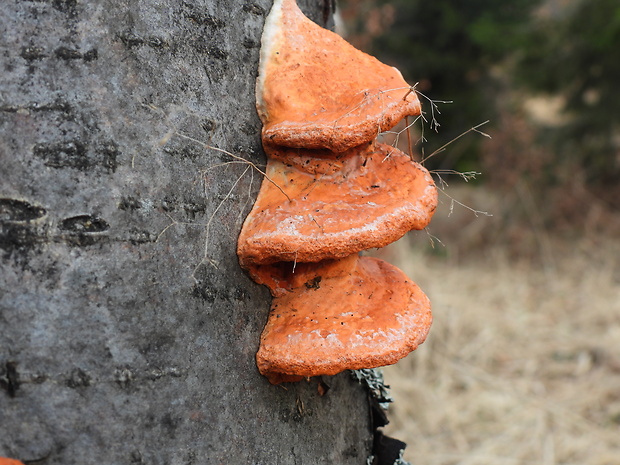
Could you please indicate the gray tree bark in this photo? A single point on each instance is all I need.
(127, 329)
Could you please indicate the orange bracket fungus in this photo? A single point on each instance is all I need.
(7, 461)
(344, 314)
(332, 191)
(367, 197)
(315, 90)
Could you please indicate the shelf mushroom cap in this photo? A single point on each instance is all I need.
(342, 204)
(7, 461)
(342, 315)
(315, 90)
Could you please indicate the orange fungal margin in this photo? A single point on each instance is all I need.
(315, 90)
(365, 198)
(346, 314)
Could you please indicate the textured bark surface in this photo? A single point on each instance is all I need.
(127, 333)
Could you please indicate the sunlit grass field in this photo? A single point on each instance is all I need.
(522, 364)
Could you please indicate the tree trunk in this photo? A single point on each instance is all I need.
(127, 329)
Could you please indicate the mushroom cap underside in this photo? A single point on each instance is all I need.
(367, 198)
(315, 90)
(361, 313)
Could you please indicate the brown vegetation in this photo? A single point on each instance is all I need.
(522, 364)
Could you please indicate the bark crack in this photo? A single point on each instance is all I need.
(9, 378)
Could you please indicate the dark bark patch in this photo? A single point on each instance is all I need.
(254, 9)
(157, 373)
(157, 342)
(170, 424)
(108, 154)
(250, 129)
(297, 413)
(132, 40)
(8, 108)
(204, 292)
(386, 450)
(75, 154)
(18, 237)
(206, 287)
(84, 224)
(192, 13)
(123, 377)
(170, 204)
(56, 105)
(351, 451)
(209, 294)
(78, 378)
(250, 43)
(69, 7)
(208, 125)
(192, 209)
(9, 378)
(215, 52)
(136, 457)
(329, 6)
(69, 154)
(129, 203)
(32, 53)
(18, 210)
(245, 151)
(186, 152)
(91, 55)
(83, 240)
(66, 53)
(156, 42)
(83, 230)
(206, 20)
(137, 237)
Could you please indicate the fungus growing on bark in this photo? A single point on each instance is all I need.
(315, 90)
(367, 197)
(331, 191)
(342, 314)
(7, 461)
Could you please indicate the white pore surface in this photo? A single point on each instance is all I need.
(271, 31)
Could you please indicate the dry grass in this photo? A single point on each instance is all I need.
(522, 365)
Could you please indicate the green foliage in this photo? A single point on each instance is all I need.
(578, 57)
(456, 50)
(449, 47)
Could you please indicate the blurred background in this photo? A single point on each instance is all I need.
(522, 260)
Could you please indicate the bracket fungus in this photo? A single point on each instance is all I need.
(367, 197)
(331, 191)
(315, 90)
(344, 314)
(7, 461)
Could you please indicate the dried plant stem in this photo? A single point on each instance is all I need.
(443, 147)
(235, 157)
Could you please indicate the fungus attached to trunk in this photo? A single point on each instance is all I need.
(315, 90)
(7, 461)
(331, 191)
(367, 197)
(342, 314)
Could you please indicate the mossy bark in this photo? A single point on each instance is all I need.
(127, 329)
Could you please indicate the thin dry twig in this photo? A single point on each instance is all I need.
(465, 175)
(434, 124)
(472, 129)
(432, 238)
(226, 197)
(235, 157)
